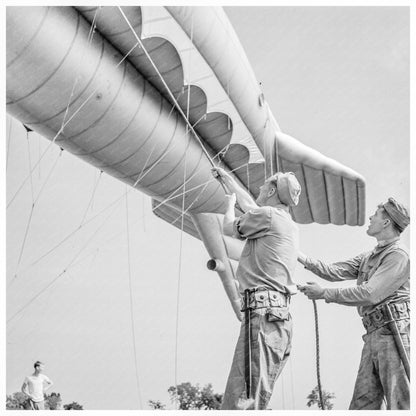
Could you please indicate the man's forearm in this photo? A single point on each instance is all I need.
(229, 216)
(244, 199)
(24, 391)
(47, 387)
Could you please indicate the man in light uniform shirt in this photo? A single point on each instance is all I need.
(35, 386)
(383, 288)
(265, 277)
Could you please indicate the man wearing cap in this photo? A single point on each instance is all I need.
(265, 282)
(382, 298)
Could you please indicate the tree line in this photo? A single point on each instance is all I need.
(53, 401)
(185, 396)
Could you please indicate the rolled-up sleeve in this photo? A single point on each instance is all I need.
(393, 272)
(254, 223)
(335, 272)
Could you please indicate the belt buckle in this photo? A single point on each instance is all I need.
(377, 317)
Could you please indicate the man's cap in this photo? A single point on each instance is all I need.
(288, 188)
(398, 213)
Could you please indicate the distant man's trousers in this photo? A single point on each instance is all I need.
(271, 336)
(37, 405)
(381, 377)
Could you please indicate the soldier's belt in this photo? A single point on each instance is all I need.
(263, 298)
(379, 318)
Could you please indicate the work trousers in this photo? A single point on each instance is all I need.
(271, 336)
(37, 405)
(381, 376)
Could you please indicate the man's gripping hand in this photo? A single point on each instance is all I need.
(312, 290)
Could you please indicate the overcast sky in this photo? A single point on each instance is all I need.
(336, 79)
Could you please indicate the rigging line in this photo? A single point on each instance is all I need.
(39, 152)
(82, 222)
(95, 250)
(77, 229)
(31, 215)
(131, 303)
(127, 54)
(8, 141)
(270, 147)
(190, 205)
(166, 86)
(266, 150)
(92, 197)
(24, 240)
(50, 144)
(195, 199)
(62, 273)
(142, 173)
(179, 278)
(182, 225)
(30, 165)
(182, 216)
(31, 208)
(140, 177)
(172, 196)
(76, 79)
(47, 177)
(93, 24)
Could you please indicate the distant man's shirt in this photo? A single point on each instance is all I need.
(383, 275)
(35, 385)
(270, 254)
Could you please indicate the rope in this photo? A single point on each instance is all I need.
(182, 225)
(167, 87)
(318, 373)
(65, 123)
(31, 208)
(131, 304)
(62, 273)
(50, 144)
(8, 142)
(92, 198)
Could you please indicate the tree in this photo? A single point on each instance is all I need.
(313, 398)
(73, 406)
(53, 401)
(156, 405)
(192, 397)
(17, 401)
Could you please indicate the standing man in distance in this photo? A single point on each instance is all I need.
(265, 279)
(382, 295)
(36, 385)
